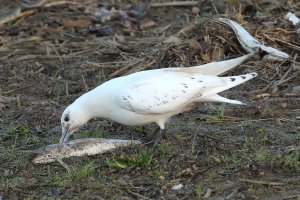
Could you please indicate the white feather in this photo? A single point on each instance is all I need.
(217, 68)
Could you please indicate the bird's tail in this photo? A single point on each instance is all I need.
(229, 82)
(218, 99)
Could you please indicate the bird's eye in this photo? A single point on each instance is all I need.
(67, 118)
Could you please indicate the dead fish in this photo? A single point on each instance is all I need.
(79, 147)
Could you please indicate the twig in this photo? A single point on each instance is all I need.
(35, 57)
(106, 64)
(63, 164)
(296, 196)
(58, 3)
(67, 89)
(238, 120)
(260, 182)
(47, 4)
(120, 71)
(215, 8)
(136, 194)
(282, 41)
(284, 77)
(149, 64)
(56, 52)
(84, 83)
(7, 99)
(264, 95)
(38, 71)
(14, 90)
(26, 11)
(15, 15)
(175, 3)
(231, 194)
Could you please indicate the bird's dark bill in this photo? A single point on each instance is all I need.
(64, 137)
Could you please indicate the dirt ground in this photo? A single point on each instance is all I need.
(54, 52)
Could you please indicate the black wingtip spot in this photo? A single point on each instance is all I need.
(232, 79)
(253, 75)
(243, 77)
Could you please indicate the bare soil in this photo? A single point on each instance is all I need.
(55, 53)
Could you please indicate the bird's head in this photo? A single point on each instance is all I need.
(72, 119)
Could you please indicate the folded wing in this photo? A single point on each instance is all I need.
(175, 91)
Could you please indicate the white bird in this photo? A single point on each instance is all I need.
(152, 95)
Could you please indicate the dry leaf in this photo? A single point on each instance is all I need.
(205, 57)
(148, 24)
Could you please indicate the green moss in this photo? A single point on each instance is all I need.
(262, 155)
(82, 171)
(141, 159)
(198, 190)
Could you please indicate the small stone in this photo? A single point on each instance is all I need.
(284, 105)
(208, 193)
(177, 187)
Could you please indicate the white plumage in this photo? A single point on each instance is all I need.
(153, 95)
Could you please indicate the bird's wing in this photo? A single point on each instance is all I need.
(214, 68)
(172, 91)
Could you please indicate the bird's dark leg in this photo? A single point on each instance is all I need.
(158, 137)
(116, 127)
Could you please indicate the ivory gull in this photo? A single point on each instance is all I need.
(153, 95)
